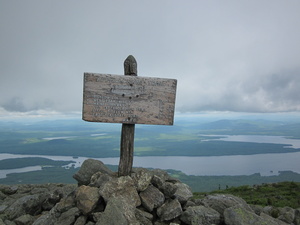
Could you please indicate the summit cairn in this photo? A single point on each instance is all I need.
(146, 197)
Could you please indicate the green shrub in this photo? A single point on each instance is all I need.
(278, 194)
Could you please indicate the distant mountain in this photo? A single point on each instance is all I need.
(80, 138)
(240, 124)
(243, 127)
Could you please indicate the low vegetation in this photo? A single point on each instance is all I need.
(277, 194)
(211, 183)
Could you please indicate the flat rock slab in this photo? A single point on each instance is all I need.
(152, 198)
(237, 215)
(169, 210)
(200, 215)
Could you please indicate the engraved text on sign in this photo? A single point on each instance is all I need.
(128, 99)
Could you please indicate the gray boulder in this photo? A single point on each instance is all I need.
(53, 216)
(157, 181)
(142, 178)
(200, 215)
(99, 179)
(238, 215)
(121, 187)
(297, 217)
(287, 214)
(271, 220)
(183, 192)
(8, 190)
(88, 168)
(162, 174)
(68, 217)
(24, 220)
(54, 193)
(257, 209)
(118, 211)
(169, 210)
(271, 211)
(29, 204)
(87, 198)
(65, 204)
(169, 189)
(2, 208)
(221, 202)
(188, 204)
(81, 220)
(143, 217)
(49, 218)
(152, 198)
(166, 187)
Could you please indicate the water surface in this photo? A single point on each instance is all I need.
(265, 164)
(292, 143)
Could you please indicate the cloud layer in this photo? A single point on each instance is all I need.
(227, 56)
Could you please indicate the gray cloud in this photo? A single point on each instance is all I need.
(14, 105)
(233, 56)
(17, 104)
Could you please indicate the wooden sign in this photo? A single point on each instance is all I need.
(128, 99)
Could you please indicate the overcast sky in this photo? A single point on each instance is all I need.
(239, 56)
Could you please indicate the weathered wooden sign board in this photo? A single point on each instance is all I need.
(128, 99)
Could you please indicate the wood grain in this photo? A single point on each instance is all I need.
(128, 99)
(127, 133)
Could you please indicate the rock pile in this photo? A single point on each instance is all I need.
(146, 197)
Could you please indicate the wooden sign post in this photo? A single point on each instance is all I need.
(128, 100)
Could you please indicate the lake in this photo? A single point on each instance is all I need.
(265, 164)
(292, 143)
